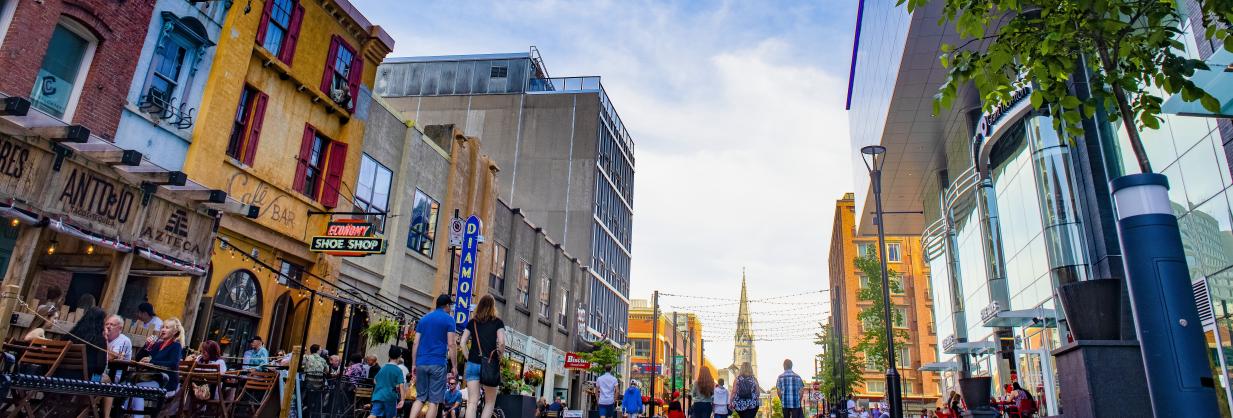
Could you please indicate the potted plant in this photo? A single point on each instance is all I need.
(514, 400)
(380, 332)
(533, 378)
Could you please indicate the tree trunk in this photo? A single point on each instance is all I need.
(1123, 108)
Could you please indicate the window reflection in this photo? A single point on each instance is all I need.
(1199, 167)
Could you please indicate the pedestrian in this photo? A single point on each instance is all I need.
(955, 404)
(850, 405)
(720, 399)
(745, 393)
(789, 386)
(606, 386)
(256, 356)
(633, 400)
(435, 344)
(145, 312)
(388, 387)
(557, 406)
(703, 395)
(485, 337)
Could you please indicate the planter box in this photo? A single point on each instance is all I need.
(1093, 308)
(516, 406)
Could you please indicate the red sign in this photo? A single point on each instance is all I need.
(575, 362)
(348, 229)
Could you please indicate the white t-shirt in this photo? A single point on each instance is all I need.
(122, 346)
(607, 386)
(155, 324)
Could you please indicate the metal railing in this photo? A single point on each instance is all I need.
(164, 107)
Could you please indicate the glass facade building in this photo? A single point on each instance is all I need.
(1015, 211)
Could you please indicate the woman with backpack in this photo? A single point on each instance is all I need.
(745, 393)
(632, 402)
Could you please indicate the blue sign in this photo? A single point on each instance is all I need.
(466, 271)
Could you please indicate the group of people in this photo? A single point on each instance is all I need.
(711, 398)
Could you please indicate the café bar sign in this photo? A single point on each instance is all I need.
(348, 238)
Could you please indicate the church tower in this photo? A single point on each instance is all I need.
(744, 341)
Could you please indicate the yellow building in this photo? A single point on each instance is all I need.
(905, 256)
(281, 128)
(686, 345)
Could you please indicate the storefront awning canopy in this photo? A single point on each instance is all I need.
(971, 347)
(1022, 317)
(942, 366)
(1217, 81)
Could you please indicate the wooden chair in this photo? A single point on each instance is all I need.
(363, 401)
(192, 372)
(75, 366)
(41, 357)
(257, 392)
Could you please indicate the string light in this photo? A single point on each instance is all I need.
(15, 222)
(90, 249)
(51, 248)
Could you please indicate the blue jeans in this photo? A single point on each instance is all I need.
(472, 373)
(607, 411)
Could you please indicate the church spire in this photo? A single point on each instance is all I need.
(743, 328)
(744, 339)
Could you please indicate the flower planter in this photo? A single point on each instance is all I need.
(516, 406)
(976, 391)
(1093, 308)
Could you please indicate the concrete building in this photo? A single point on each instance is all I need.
(567, 161)
(914, 304)
(1015, 210)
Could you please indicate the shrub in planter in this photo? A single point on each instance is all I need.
(380, 332)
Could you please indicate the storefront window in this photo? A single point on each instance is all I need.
(423, 224)
(237, 310)
(62, 74)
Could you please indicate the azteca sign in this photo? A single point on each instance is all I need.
(348, 238)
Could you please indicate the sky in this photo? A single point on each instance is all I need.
(742, 149)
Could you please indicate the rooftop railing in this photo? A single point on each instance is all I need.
(583, 84)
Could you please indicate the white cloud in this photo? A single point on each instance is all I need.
(736, 109)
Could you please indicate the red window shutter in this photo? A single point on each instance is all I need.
(328, 76)
(333, 175)
(264, 22)
(301, 164)
(293, 34)
(254, 130)
(357, 74)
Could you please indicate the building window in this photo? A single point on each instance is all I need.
(562, 318)
(901, 317)
(524, 283)
(318, 172)
(246, 127)
(496, 278)
(279, 29)
(499, 71)
(341, 78)
(892, 252)
(545, 291)
(874, 386)
(63, 73)
(372, 190)
(642, 348)
(172, 68)
(423, 233)
(903, 359)
(7, 7)
(289, 274)
(862, 250)
(864, 280)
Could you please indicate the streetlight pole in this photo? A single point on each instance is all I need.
(874, 156)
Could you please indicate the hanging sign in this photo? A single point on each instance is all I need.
(348, 238)
(573, 361)
(466, 271)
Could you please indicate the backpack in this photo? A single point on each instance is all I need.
(745, 388)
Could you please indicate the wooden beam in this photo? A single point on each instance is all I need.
(205, 195)
(15, 106)
(115, 156)
(71, 133)
(234, 207)
(161, 178)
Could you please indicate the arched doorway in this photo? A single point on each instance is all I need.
(237, 310)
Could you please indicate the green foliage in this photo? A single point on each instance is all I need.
(380, 332)
(872, 341)
(1132, 48)
(829, 374)
(511, 382)
(776, 408)
(605, 355)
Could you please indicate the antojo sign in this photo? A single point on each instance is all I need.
(348, 238)
(573, 361)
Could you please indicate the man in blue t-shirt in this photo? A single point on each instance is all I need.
(387, 388)
(435, 343)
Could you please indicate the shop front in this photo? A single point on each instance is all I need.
(94, 224)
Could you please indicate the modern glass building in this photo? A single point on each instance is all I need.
(1010, 209)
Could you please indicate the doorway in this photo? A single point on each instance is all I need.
(1035, 368)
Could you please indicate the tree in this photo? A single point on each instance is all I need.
(604, 355)
(1130, 50)
(776, 407)
(832, 383)
(872, 341)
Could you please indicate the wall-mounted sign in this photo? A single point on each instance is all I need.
(990, 312)
(456, 232)
(949, 343)
(348, 238)
(573, 361)
(466, 270)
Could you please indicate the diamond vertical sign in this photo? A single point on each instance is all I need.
(466, 271)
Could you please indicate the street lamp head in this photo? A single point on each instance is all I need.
(874, 156)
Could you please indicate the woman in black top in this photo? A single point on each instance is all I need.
(486, 337)
(89, 331)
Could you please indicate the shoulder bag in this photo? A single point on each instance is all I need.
(490, 369)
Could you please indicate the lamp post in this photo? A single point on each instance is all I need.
(874, 157)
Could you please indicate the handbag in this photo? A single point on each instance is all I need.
(490, 368)
(201, 392)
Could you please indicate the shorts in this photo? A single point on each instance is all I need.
(472, 373)
(607, 411)
(384, 409)
(430, 383)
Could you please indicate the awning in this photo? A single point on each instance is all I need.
(1218, 81)
(1022, 317)
(971, 347)
(942, 366)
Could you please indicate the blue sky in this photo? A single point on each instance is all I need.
(737, 111)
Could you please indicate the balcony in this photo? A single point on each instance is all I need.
(163, 107)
